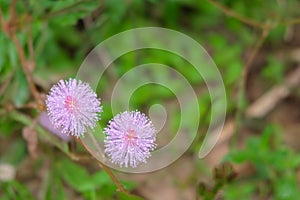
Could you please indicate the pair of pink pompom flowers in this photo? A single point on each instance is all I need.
(73, 107)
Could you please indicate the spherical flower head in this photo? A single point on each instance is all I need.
(130, 137)
(73, 106)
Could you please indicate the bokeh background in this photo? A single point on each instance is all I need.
(255, 45)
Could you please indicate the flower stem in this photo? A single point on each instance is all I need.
(113, 177)
(107, 170)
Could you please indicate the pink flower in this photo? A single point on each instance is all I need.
(130, 138)
(73, 106)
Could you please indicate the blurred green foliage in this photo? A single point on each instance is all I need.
(65, 31)
(275, 167)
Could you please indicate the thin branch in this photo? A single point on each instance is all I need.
(12, 11)
(20, 51)
(31, 49)
(254, 54)
(27, 21)
(237, 16)
(291, 22)
(25, 66)
(3, 23)
(5, 83)
(8, 28)
(30, 105)
(113, 178)
(108, 171)
(243, 81)
(63, 10)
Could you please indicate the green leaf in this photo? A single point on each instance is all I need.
(238, 190)
(68, 12)
(12, 54)
(3, 51)
(287, 188)
(55, 189)
(7, 126)
(100, 178)
(122, 196)
(233, 72)
(237, 157)
(274, 70)
(129, 185)
(115, 9)
(15, 153)
(107, 191)
(76, 176)
(21, 191)
(20, 93)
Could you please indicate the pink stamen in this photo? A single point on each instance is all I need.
(70, 103)
(130, 136)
